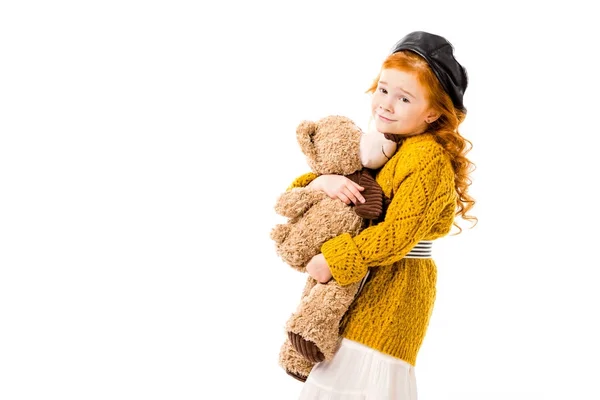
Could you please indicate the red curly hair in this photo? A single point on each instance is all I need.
(444, 129)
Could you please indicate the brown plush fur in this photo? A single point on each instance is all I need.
(331, 146)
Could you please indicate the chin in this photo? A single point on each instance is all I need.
(383, 127)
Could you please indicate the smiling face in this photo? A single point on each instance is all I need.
(399, 105)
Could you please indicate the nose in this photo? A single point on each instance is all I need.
(386, 104)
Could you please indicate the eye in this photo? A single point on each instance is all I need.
(404, 100)
(383, 90)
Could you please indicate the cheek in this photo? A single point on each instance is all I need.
(373, 103)
(376, 99)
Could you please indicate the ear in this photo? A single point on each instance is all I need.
(305, 133)
(432, 116)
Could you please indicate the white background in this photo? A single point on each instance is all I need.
(143, 145)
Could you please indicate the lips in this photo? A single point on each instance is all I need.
(384, 119)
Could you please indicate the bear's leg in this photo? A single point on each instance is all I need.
(317, 320)
(308, 349)
(294, 363)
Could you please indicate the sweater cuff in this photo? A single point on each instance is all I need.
(303, 180)
(345, 261)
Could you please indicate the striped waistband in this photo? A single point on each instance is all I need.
(421, 250)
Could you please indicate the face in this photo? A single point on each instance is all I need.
(399, 105)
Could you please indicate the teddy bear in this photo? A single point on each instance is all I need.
(332, 145)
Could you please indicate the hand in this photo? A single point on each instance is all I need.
(339, 187)
(318, 268)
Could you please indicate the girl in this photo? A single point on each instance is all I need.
(417, 100)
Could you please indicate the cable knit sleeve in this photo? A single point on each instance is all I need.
(421, 196)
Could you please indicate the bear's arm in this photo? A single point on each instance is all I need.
(297, 201)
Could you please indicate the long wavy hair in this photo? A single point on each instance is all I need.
(444, 129)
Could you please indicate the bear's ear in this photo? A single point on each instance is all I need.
(305, 134)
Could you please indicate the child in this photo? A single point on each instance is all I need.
(417, 100)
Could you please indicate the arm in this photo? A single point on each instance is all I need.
(335, 186)
(419, 200)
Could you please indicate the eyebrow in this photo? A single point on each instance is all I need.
(399, 88)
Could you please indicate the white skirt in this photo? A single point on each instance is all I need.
(358, 372)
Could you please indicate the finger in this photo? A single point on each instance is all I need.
(344, 198)
(355, 195)
(351, 196)
(324, 277)
(356, 185)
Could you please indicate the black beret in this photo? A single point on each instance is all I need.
(438, 53)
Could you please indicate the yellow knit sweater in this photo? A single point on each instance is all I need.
(393, 310)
